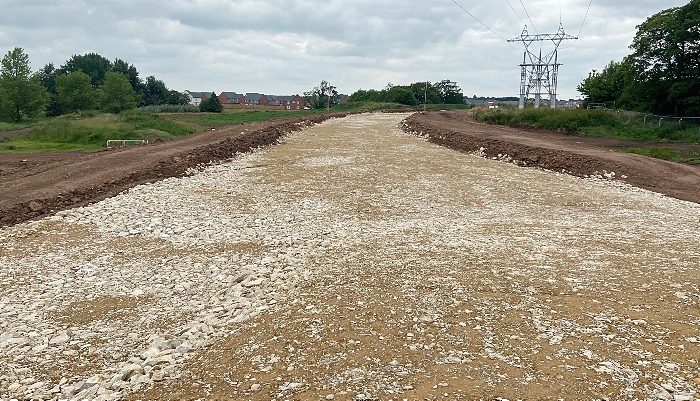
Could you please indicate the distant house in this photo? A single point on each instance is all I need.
(231, 98)
(255, 99)
(294, 102)
(341, 98)
(194, 97)
(272, 100)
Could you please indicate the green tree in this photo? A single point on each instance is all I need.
(667, 59)
(75, 92)
(176, 98)
(321, 96)
(22, 93)
(212, 104)
(607, 85)
(117, 95)
(421, 90)
(47, 78)
(131, 73)
(449, 92)
(92, 64)
(402, 95)
(154, 92)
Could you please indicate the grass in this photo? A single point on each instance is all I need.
(595, 122)
(77, 132)
(665, 154)
(12, 126)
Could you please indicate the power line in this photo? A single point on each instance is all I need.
(484, 25)
(584, 17)
(582, 23)
(516, 13)
(528, 17)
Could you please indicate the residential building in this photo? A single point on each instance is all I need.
(255, 99)
(231, 98)
(294, 102)
(194, 97)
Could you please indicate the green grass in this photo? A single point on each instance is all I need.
(595, 122)
(91, 133)
(12, 126)
(658, 153)
(665, 154)
(246, 116)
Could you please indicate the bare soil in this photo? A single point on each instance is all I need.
(33, 186)
(576, 154)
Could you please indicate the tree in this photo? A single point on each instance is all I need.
(47, 78)
(117, 95)
(154, 92)
(130, 72)
(212, 104)
(662, 75)
(176, 98)
(607, 85)
(22, 93)
(75, 92)
(667, 57)
(92, 64)
(449, 92)
(402, 95)
(323, 95)
(420, 92)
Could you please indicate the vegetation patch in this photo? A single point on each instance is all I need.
(596, 122)
(92, 133)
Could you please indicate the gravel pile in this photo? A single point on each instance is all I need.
(356, 261)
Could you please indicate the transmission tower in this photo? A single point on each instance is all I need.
(538, 74)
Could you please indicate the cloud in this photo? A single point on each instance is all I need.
(286, 47)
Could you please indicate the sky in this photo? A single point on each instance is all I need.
(286, 47)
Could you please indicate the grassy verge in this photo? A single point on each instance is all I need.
(91, 133)
(592, 122)
(11, 126)
(665, 154)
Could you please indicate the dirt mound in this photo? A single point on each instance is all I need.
(577, 155)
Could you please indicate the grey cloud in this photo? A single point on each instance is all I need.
(289, 46)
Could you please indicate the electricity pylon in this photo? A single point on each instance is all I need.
(540, 73)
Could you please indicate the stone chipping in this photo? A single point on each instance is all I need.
(356, 261)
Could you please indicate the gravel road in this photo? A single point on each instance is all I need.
(355, 261)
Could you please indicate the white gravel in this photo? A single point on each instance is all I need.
(99, 301)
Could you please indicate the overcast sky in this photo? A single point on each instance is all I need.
(288, 47)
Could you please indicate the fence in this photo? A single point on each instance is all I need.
(112, 143)
(647, 120)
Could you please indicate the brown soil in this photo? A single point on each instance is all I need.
(36, 185)
(576, 154)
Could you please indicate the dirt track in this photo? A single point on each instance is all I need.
(577, 155)
(356, 262)
(36, 185)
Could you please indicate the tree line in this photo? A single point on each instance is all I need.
(84, 82)
(443, 92)
(662, 75)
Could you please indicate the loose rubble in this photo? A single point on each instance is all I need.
(355, 261)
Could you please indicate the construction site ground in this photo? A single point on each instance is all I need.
(356, 259)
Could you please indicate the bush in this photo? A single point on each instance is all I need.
(170, 108)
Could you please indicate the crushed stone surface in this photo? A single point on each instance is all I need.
(356, 261)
